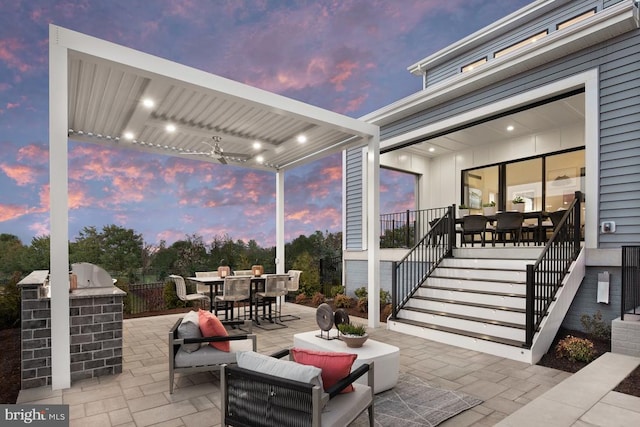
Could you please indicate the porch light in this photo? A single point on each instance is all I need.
(128, 135)
(257, 145)
(170, 127)
(302, 139)
(148, 103)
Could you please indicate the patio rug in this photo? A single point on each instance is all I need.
(413, 402)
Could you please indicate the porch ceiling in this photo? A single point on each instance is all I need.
(107, 90)
(554, 115)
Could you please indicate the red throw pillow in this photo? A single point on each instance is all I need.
(335, 366)
(211, 326)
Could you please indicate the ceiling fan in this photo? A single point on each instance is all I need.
(217, 152)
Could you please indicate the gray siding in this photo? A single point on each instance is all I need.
(619, 123)
(354, 228)
(522, 32)
(356, 276)
(585, 300)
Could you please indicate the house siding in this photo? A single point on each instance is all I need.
(619, 79)
(353, 199)
(547, 22)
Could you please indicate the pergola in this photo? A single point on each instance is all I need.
(103, 93)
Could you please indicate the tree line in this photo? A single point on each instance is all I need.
(127, 257)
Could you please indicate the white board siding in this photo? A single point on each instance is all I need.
(353, 200)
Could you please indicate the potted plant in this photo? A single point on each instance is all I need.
(518, 203)
(463, 210)
(354, 335)
(489, 208)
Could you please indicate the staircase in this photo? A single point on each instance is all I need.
(477, 300)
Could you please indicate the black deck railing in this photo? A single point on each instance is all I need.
(404, 229)
(144, 297)
(630, 303)
(410, 272)
(545, 276)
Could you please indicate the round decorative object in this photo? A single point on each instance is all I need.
(354, 341)
(324, 317)
(340, 316)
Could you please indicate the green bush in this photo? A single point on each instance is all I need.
(342, 301)
(335, 290)
(575, 349)
(363, 304)
(361, 292)
(595, 326)
(10, 299)
(171, 300)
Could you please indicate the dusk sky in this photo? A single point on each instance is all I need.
(350, 57)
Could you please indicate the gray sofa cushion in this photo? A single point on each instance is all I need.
(190, 328)
(210, 356)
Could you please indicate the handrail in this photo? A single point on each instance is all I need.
(630, 301)
(403, 229)
(544, 277)
(408, 274)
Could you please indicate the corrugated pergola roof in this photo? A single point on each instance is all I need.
(107, 87)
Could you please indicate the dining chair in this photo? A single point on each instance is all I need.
(472, 225)
(201, 287)
(292, 285)
(234, 290)
(181, 291)
(508, 222)
(275, 286)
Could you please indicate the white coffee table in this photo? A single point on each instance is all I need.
(385, 356)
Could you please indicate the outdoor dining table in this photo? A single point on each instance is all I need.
(541, 216)
(216, 284)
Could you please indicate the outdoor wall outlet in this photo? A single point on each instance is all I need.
(607, 227)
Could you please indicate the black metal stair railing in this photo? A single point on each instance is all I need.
(630, 303)
(410, 272)
(545, 276)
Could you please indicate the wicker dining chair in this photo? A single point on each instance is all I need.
(472, 225)
(181, 291)
(234, 290)
(275, 286)
(508, 223)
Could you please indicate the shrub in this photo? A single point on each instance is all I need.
(595, 326)
(362, 304)
(171, 300)
(335, 290)
(385, 297)
(317, 299)
(10, 298)
(361, 292)
(386, 312)
(301, 299)
(342, 301)
(575, 349)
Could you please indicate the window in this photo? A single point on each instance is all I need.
(575, 20)
(520, 44)
(473, 65)
(545, 183)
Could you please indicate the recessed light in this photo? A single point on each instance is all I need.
(302, 139)
(170, 127)
(148, 103)
(128, 135)
(431, 149)
(260, 159)
(510, 128)
(257, 145)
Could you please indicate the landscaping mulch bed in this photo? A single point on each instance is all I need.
(630, 385)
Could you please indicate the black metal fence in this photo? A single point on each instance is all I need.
(405, 229)
(545, 276)
(630, 281)
(144, 297)
(411, 272)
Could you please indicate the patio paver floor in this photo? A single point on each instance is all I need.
(140, 395)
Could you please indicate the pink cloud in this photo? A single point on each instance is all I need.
(21, 174)
(9, 212)
(11, 106)
(34, 153)
(9, 53)
(40, 228)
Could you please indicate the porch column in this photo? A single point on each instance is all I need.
(280, 222)
(58, 213)
(373, 229)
